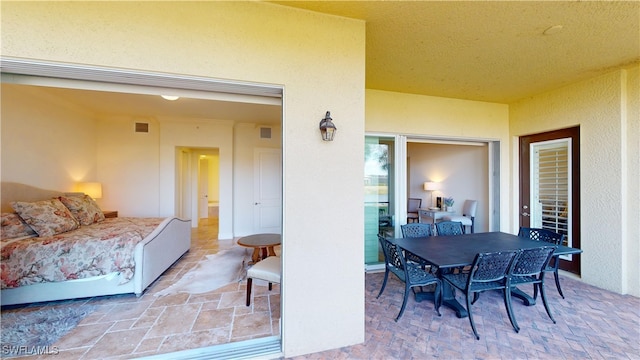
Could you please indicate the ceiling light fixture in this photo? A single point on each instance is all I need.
(170, 97)
(553, 30)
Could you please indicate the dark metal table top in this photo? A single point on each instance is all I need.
(460, 250)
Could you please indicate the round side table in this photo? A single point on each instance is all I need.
(262, 245)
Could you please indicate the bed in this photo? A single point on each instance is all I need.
(125, 255)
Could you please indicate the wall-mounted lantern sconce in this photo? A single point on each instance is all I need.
(327, 129)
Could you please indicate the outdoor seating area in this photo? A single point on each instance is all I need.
(471, 264)
(501, 267)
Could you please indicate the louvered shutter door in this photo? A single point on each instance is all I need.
(550, 185)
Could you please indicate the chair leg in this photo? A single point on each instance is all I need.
(270, 286)
(407, 289)
(249, 281)
(473, 325)
(557, 278)
(384, 282)
(544, 301)
(476, 296)
(507, 303)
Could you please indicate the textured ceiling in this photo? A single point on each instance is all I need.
(489, 51)
(476, 50)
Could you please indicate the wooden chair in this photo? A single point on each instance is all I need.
(269, 269)
(413, 204)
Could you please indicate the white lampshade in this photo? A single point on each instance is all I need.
(431, 186)
(93, 189)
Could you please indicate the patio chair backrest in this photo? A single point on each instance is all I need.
(532, 262)
(392, 257)
(538, 234)
(445, 228)
(491, 267)
(416, 230)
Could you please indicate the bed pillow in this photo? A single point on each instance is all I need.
(14, 227)
(46, 217)
(83, 208)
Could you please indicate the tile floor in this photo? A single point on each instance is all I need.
(125, 326)
(591, 323)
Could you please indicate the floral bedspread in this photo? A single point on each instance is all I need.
(98, 249)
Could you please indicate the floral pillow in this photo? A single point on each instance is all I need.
(13, 226)
(83, 208)
(46, 217)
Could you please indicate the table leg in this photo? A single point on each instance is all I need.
(272, 251)
(448, 299)
(526, 299)
(255, 257)
(264, 253)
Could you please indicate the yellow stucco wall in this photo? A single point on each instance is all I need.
(317, 59)
(606, 109)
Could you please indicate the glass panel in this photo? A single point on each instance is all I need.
(379, 205)
(550, 186)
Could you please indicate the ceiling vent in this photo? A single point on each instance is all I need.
(141, 127)
(265, 133)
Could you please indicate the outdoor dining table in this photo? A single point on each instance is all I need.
(457, 251)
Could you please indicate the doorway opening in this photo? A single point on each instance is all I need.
(119, 93)
(397, 167)
(550, 187)
(198, 185)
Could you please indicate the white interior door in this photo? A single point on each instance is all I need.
(267, 213)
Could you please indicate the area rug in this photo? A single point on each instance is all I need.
(33, 332)
(213, 272)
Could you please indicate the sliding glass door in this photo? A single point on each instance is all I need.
(380, 204)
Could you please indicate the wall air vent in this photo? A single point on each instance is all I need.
(141, 127)
(265, 133)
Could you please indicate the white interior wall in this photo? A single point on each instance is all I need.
(461, 170)
(127, 165)
(45, 143)
(214, 176)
